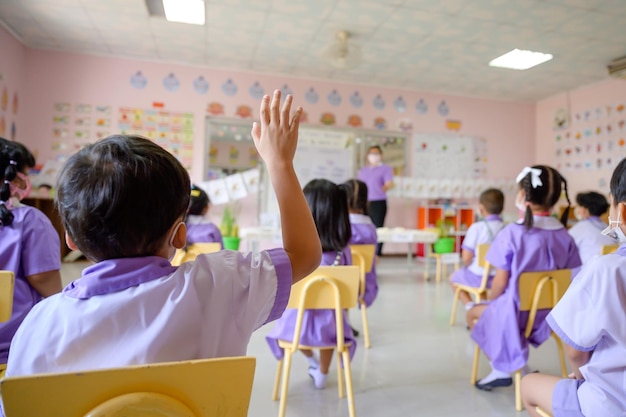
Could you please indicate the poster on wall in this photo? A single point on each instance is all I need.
(449, 156)
(74, 125)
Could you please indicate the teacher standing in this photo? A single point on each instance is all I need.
(379, 179)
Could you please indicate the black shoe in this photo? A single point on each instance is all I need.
(355, 332)
(496, 383)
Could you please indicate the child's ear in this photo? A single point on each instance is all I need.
(70, 242)
(180, 238)
(621, 209)
(205, 210)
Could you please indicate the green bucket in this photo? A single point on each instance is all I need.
(231, 243)
(444, 245)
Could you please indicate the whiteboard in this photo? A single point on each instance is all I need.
(447, 156)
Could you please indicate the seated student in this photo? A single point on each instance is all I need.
(123, 200)
(590, 321)
(491, 203)
(586, 232)
(199, 228)
(29, 244)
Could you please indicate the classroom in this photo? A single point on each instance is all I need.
(411, 85)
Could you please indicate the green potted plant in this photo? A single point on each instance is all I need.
(230, 229)
(445, 243)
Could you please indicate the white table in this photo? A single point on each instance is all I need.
(410, 237)
(252, 236)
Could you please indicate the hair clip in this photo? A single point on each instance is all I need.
(12, 162)
(535, 180)
(7, 182)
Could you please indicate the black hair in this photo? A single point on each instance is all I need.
(356, 191)
(492, 200)
(119, 197)
(545, 195)
(329, 207)
(618, 183)
(14, 158)
(198, 201)
(594, 202)
(375, 147)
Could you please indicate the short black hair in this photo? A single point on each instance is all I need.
(119, 197)
(618, 183)
(356, 192)
(329, 207)
(492, 200)
(14, 158)
(198, 201)
(595, 202)
(545, 195)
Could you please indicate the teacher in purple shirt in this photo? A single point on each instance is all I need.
(379, 179)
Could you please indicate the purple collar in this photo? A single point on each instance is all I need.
(113, 275)
(621, 251)
(492, 217)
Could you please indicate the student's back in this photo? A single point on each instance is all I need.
(587, 231)
(199, 228)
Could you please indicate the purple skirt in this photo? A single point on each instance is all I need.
(318, 329)
(371, 287)
(565, 398)
(464, 276)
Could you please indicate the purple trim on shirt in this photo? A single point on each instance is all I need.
(493, 217)
(113, 275)
(467, 248)
(559, 332)
(284, 279)
(621, 251)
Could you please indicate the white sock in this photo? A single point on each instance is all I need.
(469, 305)
(313, 363)
(319, 379)
(495, 374)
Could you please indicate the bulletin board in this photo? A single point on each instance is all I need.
(447, 156)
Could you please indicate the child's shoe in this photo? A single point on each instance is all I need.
(319, 379)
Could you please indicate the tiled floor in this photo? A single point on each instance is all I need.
(417, 366)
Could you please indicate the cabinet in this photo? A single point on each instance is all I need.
(454, 220)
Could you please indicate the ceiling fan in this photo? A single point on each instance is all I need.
(341, 53)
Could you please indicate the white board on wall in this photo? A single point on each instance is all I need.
(447, 156)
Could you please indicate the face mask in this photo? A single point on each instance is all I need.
(171, 242)
(615, 232)
(18, 192)
(577, 214)
(520, 203)
(374, 158)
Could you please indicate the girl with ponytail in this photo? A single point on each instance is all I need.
(538, 242)
(29, 244)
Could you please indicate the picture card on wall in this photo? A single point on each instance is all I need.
(251, 178)
(397, 190)
(236, 187)
(420, 188)
(217, 191)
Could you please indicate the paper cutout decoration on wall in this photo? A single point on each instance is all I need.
(82, 108)
(380, 123)
(62, 107)
(334, 98)
(15, 103)
(57, 133)
(453, 125)
(5, 99)
(200, 85)
(103, 110)
(213, 153)
(356, 100)
(311, 96)
(138, 80)
(101, 134)
(405, 125)
(243, 111)
(378, 102)
(443, 108)
(236, 187)
(233, 154)
(304, 117)
(13, 131)
(217, 191)
(82, 121)
(215, 109)
(355, 120)
(256, 91)
(229, 88)
(421, 106)
(399, 104)
(285, 91)
(327, 119)
(3, 126)
(171, 83)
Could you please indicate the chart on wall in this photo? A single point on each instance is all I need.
(76, 124)
(171, 130)
(445, 156)
(324, 154)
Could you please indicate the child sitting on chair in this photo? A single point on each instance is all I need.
(586, 232)
(122, 201)
(538, 242)
(590, 320)
(328, 204)
(491, 203)
(199, 228)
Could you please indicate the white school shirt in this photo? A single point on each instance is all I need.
(590, 318)
(482, 231)
(142, 310)
(589, 240)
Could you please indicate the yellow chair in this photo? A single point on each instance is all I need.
(537, 291)
(7, 286)
(606, 249)
(363, 256)
(542, 413)
(328, 287)
(193, 250)
(480, 292)
(198, 388)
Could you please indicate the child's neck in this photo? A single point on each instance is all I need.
(355, 211)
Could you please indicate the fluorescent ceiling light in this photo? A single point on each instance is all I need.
(184, 11)
(520, 60)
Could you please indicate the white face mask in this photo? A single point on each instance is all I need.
(615, 232)
(520, 202)
(374, 158)
(578, 214)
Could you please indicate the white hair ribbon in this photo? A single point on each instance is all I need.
(535, 180)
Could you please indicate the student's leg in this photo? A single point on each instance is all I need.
(463, 295)
(326, 357)
(378, 212)
(537, 390)
(320, 373)
(310, 358)
(474, 313)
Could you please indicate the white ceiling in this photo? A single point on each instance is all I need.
(429, 45)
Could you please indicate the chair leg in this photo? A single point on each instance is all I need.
(366, 327)
(541, 412)
(277, 380)
(559, 345)
(438, 268)
(283, 392)
(474, 376)
(340, 376)
(455, 303)
(348, 372)
(518, 390)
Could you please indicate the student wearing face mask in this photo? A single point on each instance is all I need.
(587, 231)
(379, 179)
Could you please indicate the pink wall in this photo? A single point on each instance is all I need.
(12, 60)
(595, 141)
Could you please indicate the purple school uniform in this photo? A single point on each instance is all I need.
(29, 246)
(499, 331)
(375, 178)
(143, 310)
(318, 326)
(201, 230)
(590, 318)
(364, 233)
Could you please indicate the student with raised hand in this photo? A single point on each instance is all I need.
(123, 201)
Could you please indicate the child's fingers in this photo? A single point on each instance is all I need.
(265, 110)
(284, 117)
(274, 107)
(295, 120)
